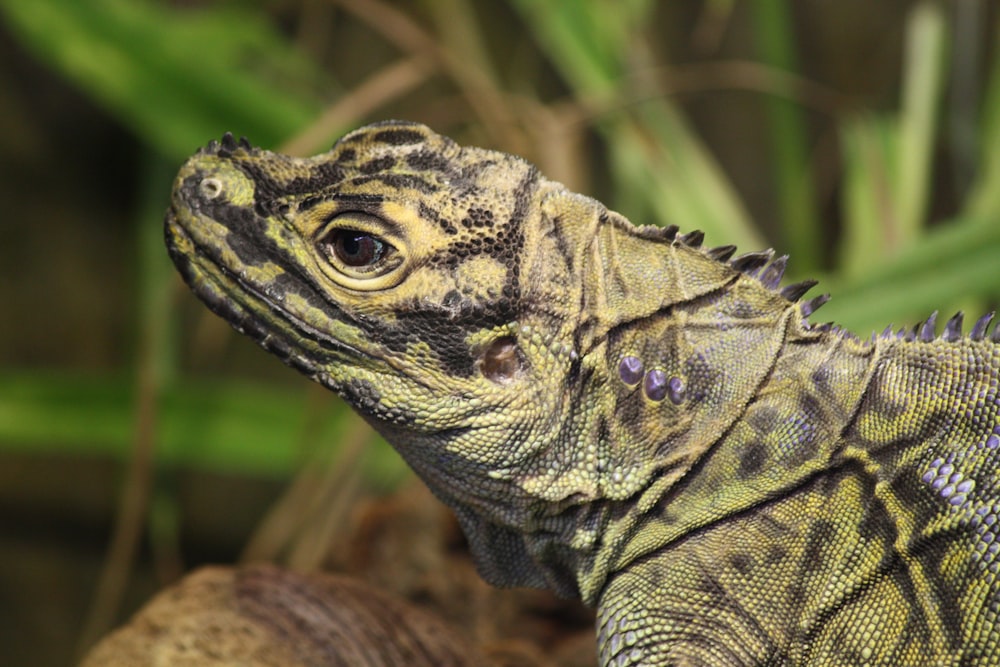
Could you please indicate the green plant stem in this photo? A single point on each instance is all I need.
(792, 179)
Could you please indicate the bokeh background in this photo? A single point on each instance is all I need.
(140, 437)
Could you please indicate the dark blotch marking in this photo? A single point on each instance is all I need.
(325, 175)
(285, 284)
(368, 201)
(501, 361)
(873, 525)
(429, 213)
(267, 189)
(478, 217)
(399, 137)
(820, 534)
(629, 408)
(775, 554)
(821, 378)
(429, 161)
(399, 182)
(752, 459)
(309, 202)
(444, 331)
(378, 164)
(245, 236)
(741, 562)
(701, 378)
(764, 419)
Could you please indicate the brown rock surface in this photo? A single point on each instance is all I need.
(263, 616)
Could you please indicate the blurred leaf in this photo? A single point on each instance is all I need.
(918, 120)
(869, 149)
(888, 159)
(789, 160)
(984, 200)
(226, 426)
(946, 266)
(177, 77)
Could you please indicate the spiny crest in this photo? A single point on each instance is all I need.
(759, 264)
(768, 270)
(228, 146)
(926, 331)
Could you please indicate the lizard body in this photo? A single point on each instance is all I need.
(617, 413)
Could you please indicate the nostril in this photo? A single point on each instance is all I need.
(210, 188)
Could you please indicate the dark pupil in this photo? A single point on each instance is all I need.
(357, 249)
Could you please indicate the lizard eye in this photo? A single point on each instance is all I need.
(353, 248)
(356, 251)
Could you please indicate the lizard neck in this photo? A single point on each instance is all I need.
(783, 428)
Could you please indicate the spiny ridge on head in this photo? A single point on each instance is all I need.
(228, 146)
(759, 264)
(769, 270)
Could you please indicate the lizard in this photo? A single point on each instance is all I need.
(620, 413)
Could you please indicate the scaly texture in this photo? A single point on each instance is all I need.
(617, 413)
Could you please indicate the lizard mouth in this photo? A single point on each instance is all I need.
(250, 310)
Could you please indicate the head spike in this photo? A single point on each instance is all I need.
(721, 253)
(211, 148)
(227, 146)
(887, 332)
(796, 291)
(771, 276)
(245, 144)
(979, 328)
(928, 330)
(953, 329)
(812, 305)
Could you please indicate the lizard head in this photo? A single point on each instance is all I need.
(386, 269)
(462, 303)
(390, 270)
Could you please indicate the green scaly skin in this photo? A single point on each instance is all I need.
(616, 413)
